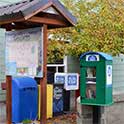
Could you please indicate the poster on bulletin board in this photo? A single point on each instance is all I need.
(70, 80)
(24, 48)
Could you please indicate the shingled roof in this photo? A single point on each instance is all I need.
(25, 10)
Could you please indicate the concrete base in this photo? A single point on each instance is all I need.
(84, 113)
(113, 114)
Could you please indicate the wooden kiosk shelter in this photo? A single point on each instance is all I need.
(48, 14)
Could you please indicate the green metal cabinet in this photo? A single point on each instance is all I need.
(96, 78)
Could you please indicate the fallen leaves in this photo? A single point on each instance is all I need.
(69, 118)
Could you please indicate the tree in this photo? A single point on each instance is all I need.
(56, 51)
(100, 27)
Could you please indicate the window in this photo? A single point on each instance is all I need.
(91, 82)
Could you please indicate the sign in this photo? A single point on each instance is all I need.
(58, 98)
(92, 57)
(60, 78)
(109, 75)
(70, 80)
(58, 91)
(25, 49)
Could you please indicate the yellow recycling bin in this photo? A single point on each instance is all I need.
(49, 101)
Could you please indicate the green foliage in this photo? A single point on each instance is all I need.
(56, 51)
(27, 121)
(100, 27)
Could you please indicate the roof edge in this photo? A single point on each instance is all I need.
(26, 9)
(63, 10)
(104, 55)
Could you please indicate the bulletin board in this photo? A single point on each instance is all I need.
(24, 52)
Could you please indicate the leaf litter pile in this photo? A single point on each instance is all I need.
(69, 118)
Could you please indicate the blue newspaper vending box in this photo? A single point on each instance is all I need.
(24, 99)
(57, 99)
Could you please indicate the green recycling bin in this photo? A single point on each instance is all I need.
(96, 79)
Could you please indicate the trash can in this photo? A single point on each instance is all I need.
(57, 99)
(24, 99)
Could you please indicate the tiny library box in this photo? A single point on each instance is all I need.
(96, 79)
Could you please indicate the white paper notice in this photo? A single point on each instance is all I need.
(109, 74)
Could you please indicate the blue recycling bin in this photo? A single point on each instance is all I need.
(24, 99)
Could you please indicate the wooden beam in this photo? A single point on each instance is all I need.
(48, 21)
(9, 21)
(8, 99)
(43, 81)
(17, 26)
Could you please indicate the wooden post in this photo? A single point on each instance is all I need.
(8, 99)
(43, 82)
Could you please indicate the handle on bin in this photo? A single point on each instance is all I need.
(29, 88)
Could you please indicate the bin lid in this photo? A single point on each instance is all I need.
(24, 82)
(104, 55)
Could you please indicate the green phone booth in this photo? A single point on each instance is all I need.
(96, 79)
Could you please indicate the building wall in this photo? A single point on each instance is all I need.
(118, 74)
(2, 63)
(2, 55)
(114, 114)
(2, 44)
(72, 66)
